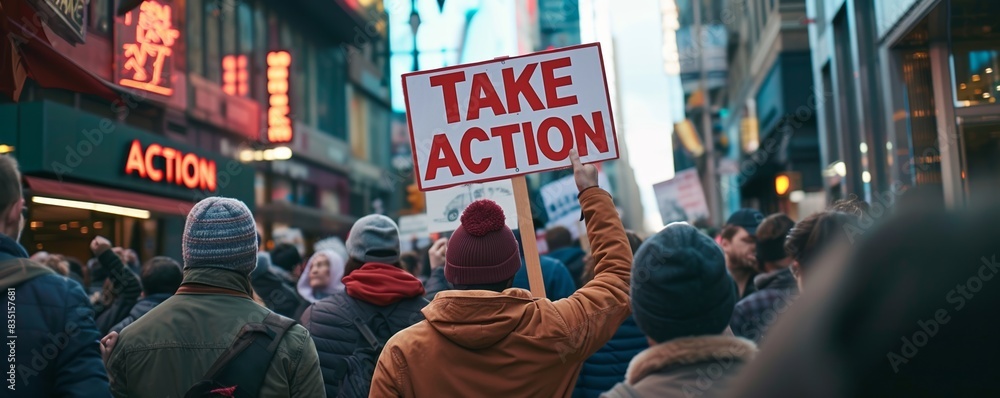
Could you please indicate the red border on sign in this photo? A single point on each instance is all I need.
(409, 121)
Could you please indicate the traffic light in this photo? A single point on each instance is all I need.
(415, 197)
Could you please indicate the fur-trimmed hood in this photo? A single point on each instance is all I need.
(689, 351)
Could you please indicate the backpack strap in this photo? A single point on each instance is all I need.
(241, 368)
(360, 322)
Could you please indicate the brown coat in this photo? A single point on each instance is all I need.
(481, 343)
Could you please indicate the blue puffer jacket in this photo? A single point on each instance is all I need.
(572, 258)
(140, 309)
(57, 352)
(607, 366)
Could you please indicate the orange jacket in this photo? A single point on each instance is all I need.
(482, 343)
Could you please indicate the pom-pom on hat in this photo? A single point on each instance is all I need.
(482, 250)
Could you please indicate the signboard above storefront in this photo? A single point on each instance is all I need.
(144, 48)
(67, 18)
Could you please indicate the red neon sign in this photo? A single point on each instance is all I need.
(234, 75)
(279, 124)
(178, 168)
(147, 41)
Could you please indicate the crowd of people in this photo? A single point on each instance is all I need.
(825, 307)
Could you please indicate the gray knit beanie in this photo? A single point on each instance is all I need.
(374, 239)
(220, 233)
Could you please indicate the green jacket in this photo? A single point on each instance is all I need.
(170, 348)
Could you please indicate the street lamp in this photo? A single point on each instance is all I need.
(414, 25)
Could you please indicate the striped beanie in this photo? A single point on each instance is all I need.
(220, 233)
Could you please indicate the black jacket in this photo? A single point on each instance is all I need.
(56, 344)
(127, 287)
(277, 295)
(330, 325)
(140, 309)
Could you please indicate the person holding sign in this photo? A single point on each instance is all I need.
(488, 339)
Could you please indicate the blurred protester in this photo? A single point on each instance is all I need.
(738, 239)
(558, 282)
(122, 288)
(910, 311)
(288, 262)
(57, 354)
(562, 248)
(58, 264)
(486, 337)
(78, 272)
(776, 286)
(322, 276)
(811, 236)
(161, 276)
(608, 365)
(174, 347)
(351, 326)
(98, 275)
(410, 261)
(682, 299)
(332, 243)
(853, 206)
(276, 294)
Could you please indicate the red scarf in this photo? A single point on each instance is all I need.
(382, 284)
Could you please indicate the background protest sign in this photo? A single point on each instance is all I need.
(445, 206)
(497, 119)
(413, 232)
(681, 198)
(561, 204)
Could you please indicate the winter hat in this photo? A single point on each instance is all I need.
(220, 233)
(374, 239)
(332, 243)
(482, 250)
(680, 286)
(337, 265)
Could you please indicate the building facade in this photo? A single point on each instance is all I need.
(913, 86)
(283, 105)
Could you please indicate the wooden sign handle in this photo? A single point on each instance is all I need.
(528, 240)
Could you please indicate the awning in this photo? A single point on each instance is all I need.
(37, 58)
(80, 192)
(305, 218)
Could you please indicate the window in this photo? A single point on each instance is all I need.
(975, 34)
(213, 40)
(195, 37)
(331, 105)
(101, 16)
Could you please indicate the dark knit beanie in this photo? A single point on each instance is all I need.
(220, 233)
(680, 286)
(482, 250)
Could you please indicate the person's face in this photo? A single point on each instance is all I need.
(741, 251)
(319, 273)
(13, 219)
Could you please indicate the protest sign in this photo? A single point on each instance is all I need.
(413, 232)
(561, 204)
(681, 198)
(497, 119)
(445, 206)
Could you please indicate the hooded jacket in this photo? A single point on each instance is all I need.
(572, 258)
(279, 296)
(50, 311)
(171, 348)
(699, 366)
(337, 264)
(389, 296)
(484, 343)
(755, 313)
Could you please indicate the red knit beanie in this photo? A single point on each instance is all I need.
(482, 250)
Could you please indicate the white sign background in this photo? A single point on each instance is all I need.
(681, 198)
(445, 206)
(427, 115)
